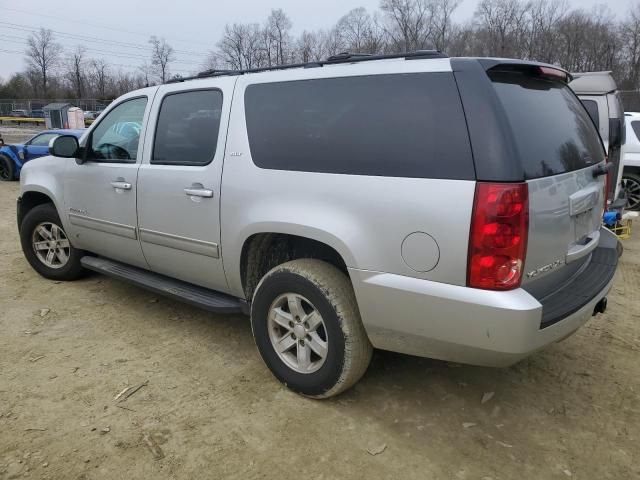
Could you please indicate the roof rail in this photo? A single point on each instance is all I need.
(344, 57)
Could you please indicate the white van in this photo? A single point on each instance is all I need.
(599, 94)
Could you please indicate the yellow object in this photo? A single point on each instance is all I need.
(21, 120)
(622, 229)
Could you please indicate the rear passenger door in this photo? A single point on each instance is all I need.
(179, 182)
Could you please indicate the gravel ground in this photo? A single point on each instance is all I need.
(209, 408)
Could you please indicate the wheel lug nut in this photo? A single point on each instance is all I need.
(291, 324)
(302, 343)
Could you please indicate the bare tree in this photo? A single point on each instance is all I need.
(146, 71)
(43, 55)
(277, 38)
(161, 56)
(240, 46)
(410, 23)
(76, 64)
(501, 23)
(630, 40)
(442, 22)
(100, 77)
(542, 37)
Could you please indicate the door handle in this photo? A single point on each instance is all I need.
(578, 251)
(121, 185)
(197, 190)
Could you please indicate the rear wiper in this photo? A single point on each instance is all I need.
(602, 170)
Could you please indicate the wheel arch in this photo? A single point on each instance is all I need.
(261, 251)
(31, 199)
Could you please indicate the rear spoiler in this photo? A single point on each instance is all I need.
(533, 68)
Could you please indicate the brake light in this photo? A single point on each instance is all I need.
(498, 239)
(554, 73)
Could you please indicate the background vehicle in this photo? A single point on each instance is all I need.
(13, 157)
(19, 113)
(327, 223)
(631, 161)
(599, 94)
(38, 113)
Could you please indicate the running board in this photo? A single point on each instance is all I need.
(185, 292)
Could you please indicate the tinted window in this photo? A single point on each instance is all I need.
(187, 130)
(636, 128)
(552, 130)
(117, 136)
(42, 140)
(409, 125)
(592, 110)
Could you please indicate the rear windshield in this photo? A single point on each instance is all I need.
(552, 130)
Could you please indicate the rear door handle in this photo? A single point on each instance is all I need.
(120, 185)
(578, 251)
(197, 190)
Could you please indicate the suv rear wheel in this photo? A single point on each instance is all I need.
(307, 327)
(47, 247)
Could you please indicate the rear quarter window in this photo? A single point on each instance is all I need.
(551, 128)
(404, 125)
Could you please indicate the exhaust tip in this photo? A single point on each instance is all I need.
(600, 307)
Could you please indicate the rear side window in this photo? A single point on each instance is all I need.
(409, 125)
(552, 130)
(592, 110)
(636, 128)
(187, 129)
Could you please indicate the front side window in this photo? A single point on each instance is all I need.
(117, 136)
(187, 130)
(42, 140)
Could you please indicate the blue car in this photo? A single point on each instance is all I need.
(13, 157)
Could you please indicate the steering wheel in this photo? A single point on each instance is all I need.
(109, 150)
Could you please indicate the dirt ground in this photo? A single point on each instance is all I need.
(211, 409)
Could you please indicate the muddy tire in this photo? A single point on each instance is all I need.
(307, 327)
(7, 169)
(47, 247)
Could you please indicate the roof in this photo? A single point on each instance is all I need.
(595, 83)
(55, 106)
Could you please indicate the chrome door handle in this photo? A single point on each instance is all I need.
(198, 191)
(121, 185)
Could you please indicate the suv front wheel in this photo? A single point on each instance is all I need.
(307, 327)
(46, 245)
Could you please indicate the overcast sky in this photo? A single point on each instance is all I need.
(118, 30)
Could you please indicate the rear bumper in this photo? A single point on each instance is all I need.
(466, 325)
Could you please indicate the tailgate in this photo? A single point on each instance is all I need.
(559, 150)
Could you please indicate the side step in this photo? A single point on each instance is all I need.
(185, 292)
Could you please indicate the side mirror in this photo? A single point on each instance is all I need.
(65, 146)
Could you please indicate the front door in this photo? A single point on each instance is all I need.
(100, 194)
(179, 182)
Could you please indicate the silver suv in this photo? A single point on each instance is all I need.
(447, 208)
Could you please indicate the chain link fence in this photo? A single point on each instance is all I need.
(86, 104)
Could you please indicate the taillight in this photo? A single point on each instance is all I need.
(498, 239)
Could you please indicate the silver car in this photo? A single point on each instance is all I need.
(447, 208)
